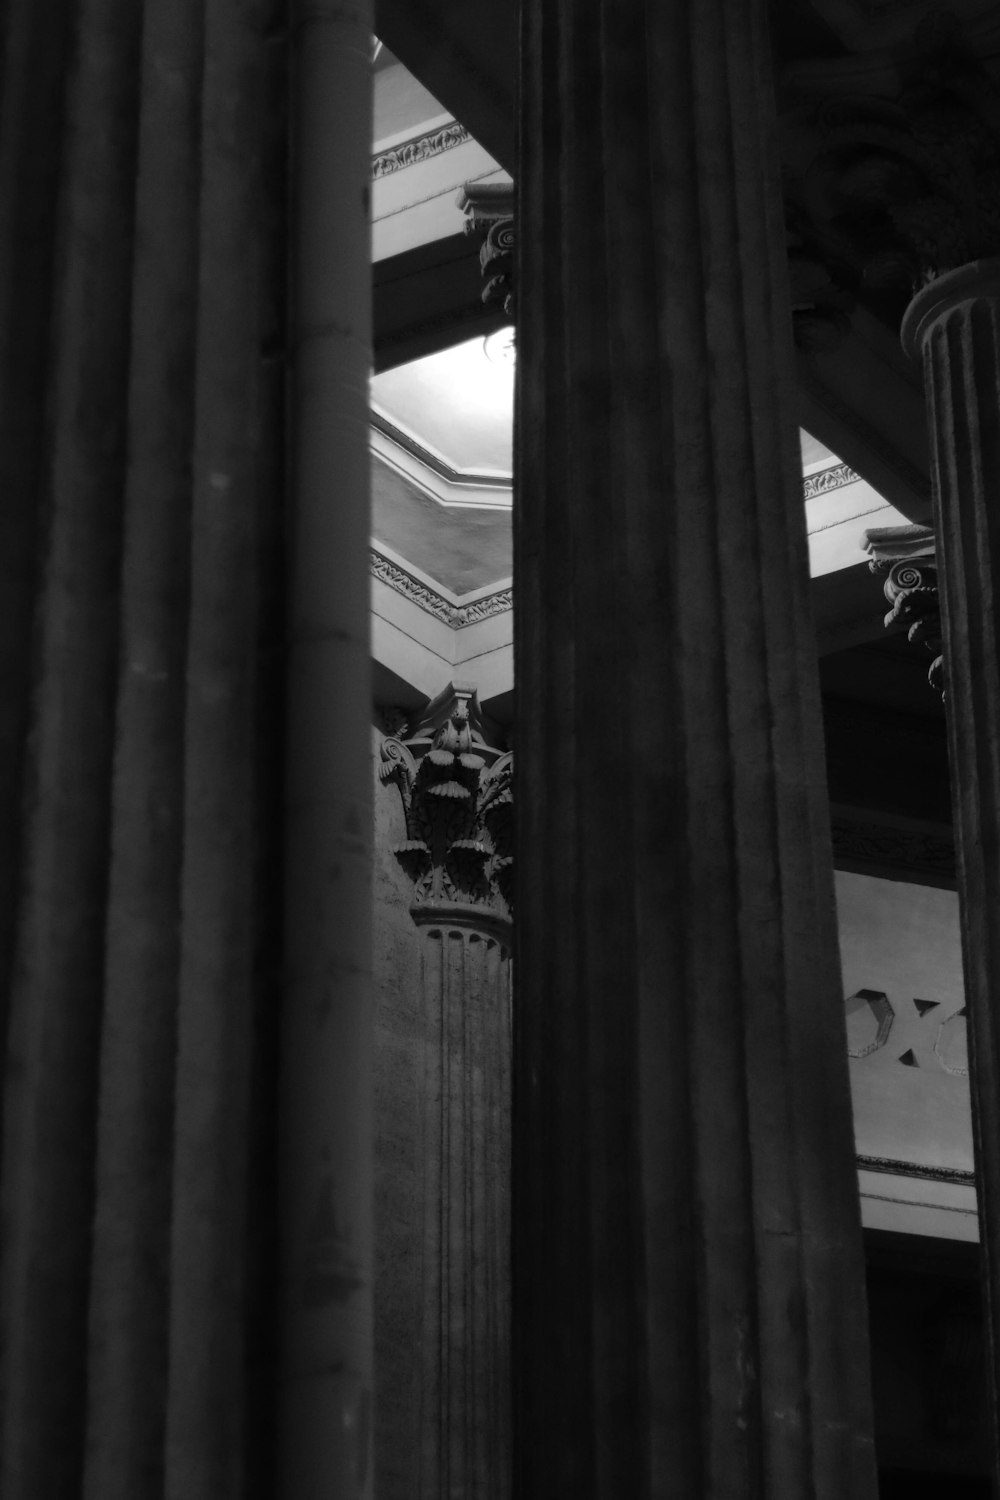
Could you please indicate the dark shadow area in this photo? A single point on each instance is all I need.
(932, 1431)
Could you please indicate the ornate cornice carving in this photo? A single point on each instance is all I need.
(955, 1175)
(489, 211)
(906, 557)
(824, 480)
(879, 849)
(501, 601)
(437, 465)
(420, 148)
(457, 793)
(427, 598)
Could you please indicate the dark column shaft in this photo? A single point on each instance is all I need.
(954, 326)
(465, 1399)
(148, 805)
(325, 1398)
(689, 1300)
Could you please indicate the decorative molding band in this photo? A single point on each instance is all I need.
(420, 148)
(911, 1169)
(432, 461)
(455, 615)
(824, 480)
(926, 858)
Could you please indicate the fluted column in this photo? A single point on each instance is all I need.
(450, 1274)
(465, 978)
(953, 326)
(689, 1300)
(143, 300)
(326, 1395)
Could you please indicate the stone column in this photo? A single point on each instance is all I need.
(689, 1297)
(143, 302)
(953, 326)
(450, 1276)
(325, 1094)
(141, 254)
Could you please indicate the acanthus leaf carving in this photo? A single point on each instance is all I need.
(457, 795)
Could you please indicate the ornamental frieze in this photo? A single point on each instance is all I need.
(420, 148)
(427, 598)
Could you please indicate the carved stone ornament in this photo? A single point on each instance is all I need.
(906, 557)
(489, 211)
(458, 797)
(892, 172)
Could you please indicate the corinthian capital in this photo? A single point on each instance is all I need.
(457, 794)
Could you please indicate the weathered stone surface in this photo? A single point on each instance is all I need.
(953, 327)
(142, 302)
(443, 942)
(689, 1304)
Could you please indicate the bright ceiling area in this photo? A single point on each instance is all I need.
(457, 404)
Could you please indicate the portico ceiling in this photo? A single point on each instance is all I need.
(442, 430)
(860, 394)
(442, 395)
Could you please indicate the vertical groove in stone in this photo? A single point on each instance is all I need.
(56, 990)
(955, 323)
(465, 1446)
(205, 1436)
(689, 1301)
(129, 1302)
(32, 104)
(146, 297)
(326, 1098)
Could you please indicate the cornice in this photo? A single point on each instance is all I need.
(893, 1168)
(455, 614)
(433, 461)
(824, 480)
(875, 848)
(420, 148)
(458, 613)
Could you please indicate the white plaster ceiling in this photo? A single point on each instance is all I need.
(458, 405)
(421, 158)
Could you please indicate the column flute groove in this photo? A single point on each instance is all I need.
(457, 796)
(953, 327)
(689, 1296)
